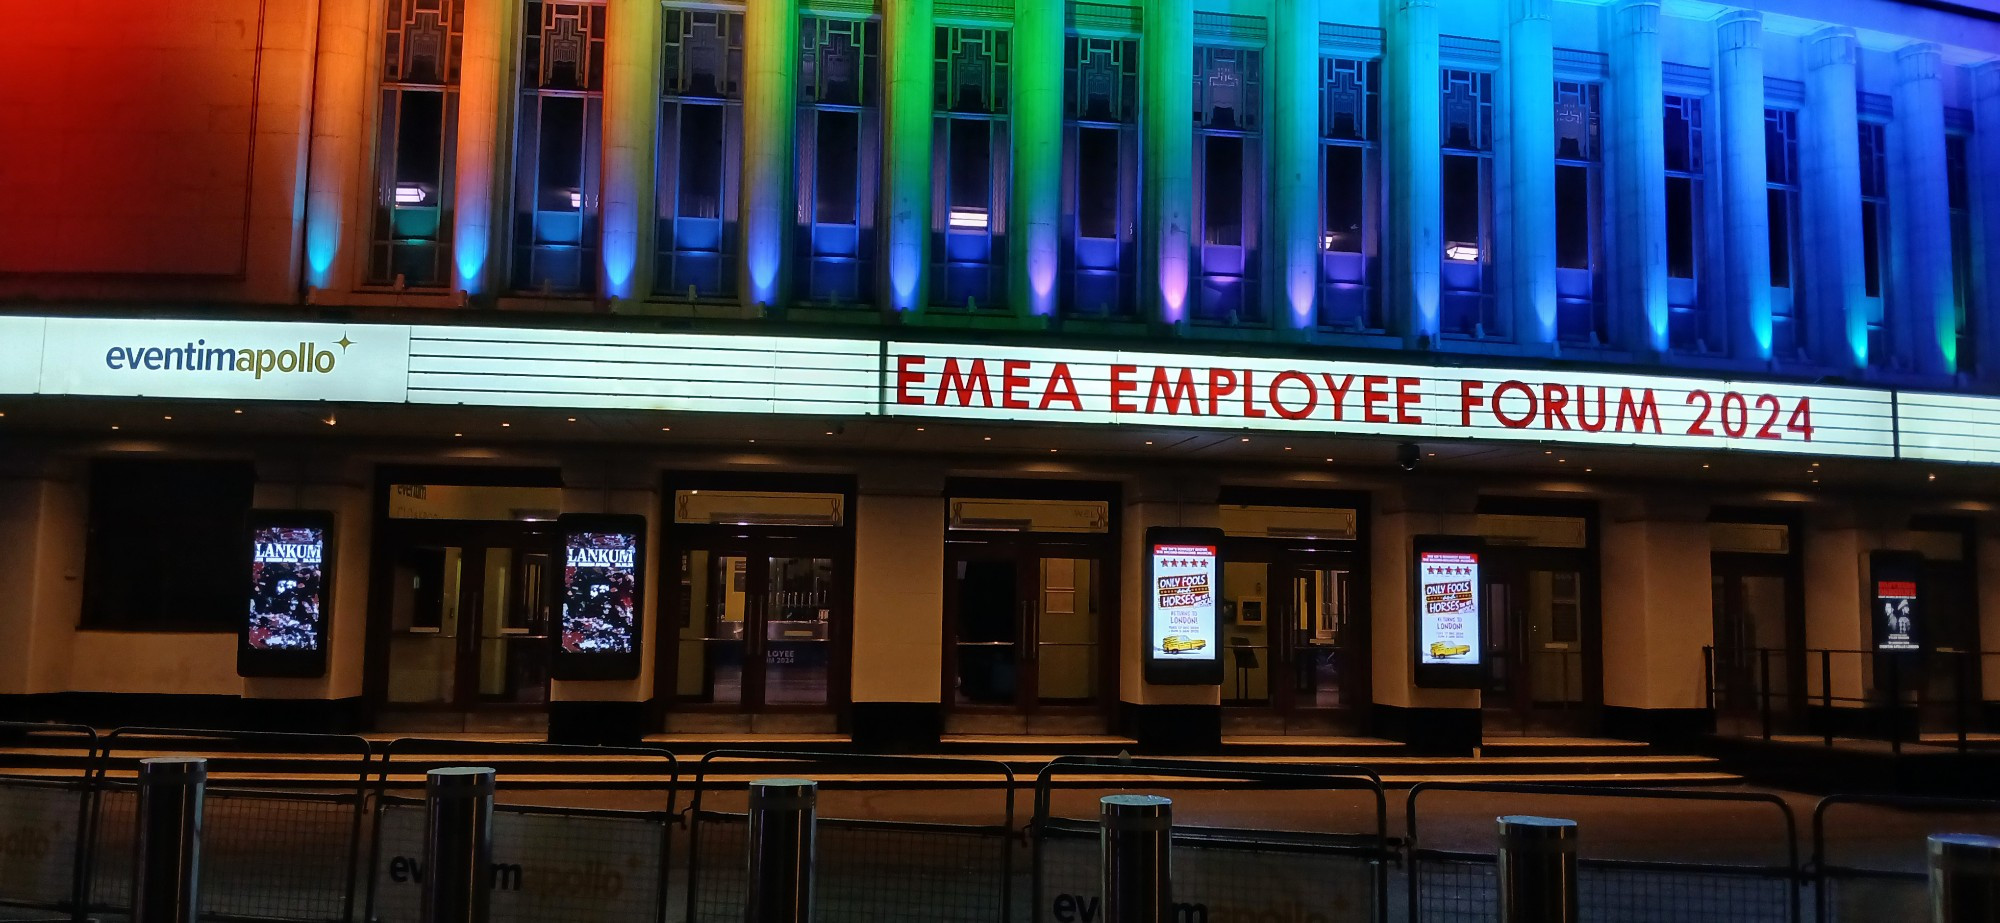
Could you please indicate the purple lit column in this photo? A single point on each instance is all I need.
(1168, 172)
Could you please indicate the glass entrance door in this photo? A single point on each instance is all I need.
(1753, 657)
(470, 625)
(1537, 662)
(1291, 633)
(756, 627)
(1025, 628)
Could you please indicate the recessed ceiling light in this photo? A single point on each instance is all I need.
(167, 417)
(458, 434)
(666, 429)
(1329, 459)
(1704, 464)
(986, 438)
(1933, 477)
(505, 425)
(1052, 450)
(114, 426)
(1149, 442)
(239, 410)
(1561, 460)
(1588, 470)
(1815, 464)
(1433, 454)
(1548, 451)
(1244, 439)
(829, 432)
(920, 429)
(572, 419)
(753, 442)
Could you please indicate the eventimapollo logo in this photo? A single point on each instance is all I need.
(199, 356)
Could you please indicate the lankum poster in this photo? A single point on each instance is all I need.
(600, 593)
(285, 588)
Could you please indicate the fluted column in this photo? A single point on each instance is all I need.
(1168, 103)
(1984, 149)
(482, 94)
(631, 118)
(1920, 215)
(770, 125)
(335, 230)
(1412, 167)
(1635, 166)
(1527, 247)
(909, 43)
(1830, 201)
(1295, 192)
(1035, 242)
(1746, 218)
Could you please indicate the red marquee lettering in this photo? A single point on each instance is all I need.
(1121, 382)
(1312, 395)
(1220, 382)
(1583, 409)
(1639, 411)
(972, 377)
(1337, 392)
(1181, 389)
(1468, 398)
(1500, 414)
(1061, 388)
(1554, 399)
(907, 374)
(1013, 374)
(1249, 393)
(1407, 397)
(1371, 394)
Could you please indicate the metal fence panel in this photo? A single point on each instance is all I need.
(863, 871)
(38, 847)
(1219, 880)
(1465, 889)
(548, 864)
(264, 855)
(1870, 858)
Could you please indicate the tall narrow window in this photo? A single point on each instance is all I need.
(1781, 198)
(1467, 106)
(700, 153)
(1229, 182)
(1688, 324)
(416, 143)
(839, 151)
(1580, 313)
(1350, 133)
(557, 147)
(1101, 177)
(1961, 249)
(1875, 237)
(970, 168)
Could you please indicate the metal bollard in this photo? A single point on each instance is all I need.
(1135, 832)
(458, 845)
(1537, 870)
(783, 813)
(167, 886)
(1965, 878)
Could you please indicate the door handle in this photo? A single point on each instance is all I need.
(1028, 629)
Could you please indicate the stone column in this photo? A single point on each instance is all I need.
(1177, 717)
(336, 230)
(1412, 166)
(770, 126)
(898, 649)
(483, 93)
(1035, 245)
(1984, 148)
(1295, 191)
(1635, 163)
(1830, 202)
(909, 43)
(1746, 219)
(1656, 553)
(1924, 315)
(1439, 720)
(1527, 244)
(631, 119)
(1836, 551)
(1167, 101)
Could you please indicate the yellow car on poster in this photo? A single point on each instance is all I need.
(1177, 644)
(1441, 649)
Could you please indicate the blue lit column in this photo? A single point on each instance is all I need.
(1167, 102)
(770, 119)
(1984, 148)
(1412, 167)
(1295, 193)
(1746, 219)
(1920, 215)
(480, 163)
(1830, 201)
(1035, 250)
(1635, 226)
(341, 79)
(908, 42)
(1527, 247)
(631, 116)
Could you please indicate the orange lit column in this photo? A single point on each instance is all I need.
(631, 111)
(482, 96)
(334, 229)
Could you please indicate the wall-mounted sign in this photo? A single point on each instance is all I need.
(1183, 585)
(1450, 605)
(1894, 578)
(285, 629)
(603, 594)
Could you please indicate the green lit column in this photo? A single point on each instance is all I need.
(1168, 107)
(1413, 167)
(1034, 253)
(1295, 195)
(908, 42)
(770, 101)
(631, 114)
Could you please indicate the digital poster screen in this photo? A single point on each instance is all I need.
(1449, 602)
(1183, 580)
(285, 623)
(603, 573)
(1895, 605)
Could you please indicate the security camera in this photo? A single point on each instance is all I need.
(1407, 455)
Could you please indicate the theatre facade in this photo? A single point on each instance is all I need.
(903, 369)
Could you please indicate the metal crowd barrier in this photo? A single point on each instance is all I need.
(290, 854)
(1889, 881)
(1331, 874)
(919, 871)
(1454, 885)
(44, 854)
(549, 861)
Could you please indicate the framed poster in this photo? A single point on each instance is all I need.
(603, 595)
(1450, 602)
(1895, 581)
(285, 625)
(1183, 587)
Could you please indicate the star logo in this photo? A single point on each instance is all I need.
(343, 342)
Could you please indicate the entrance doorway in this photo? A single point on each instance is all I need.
(1757, 659)
(1543, 650)
(1294, 620)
